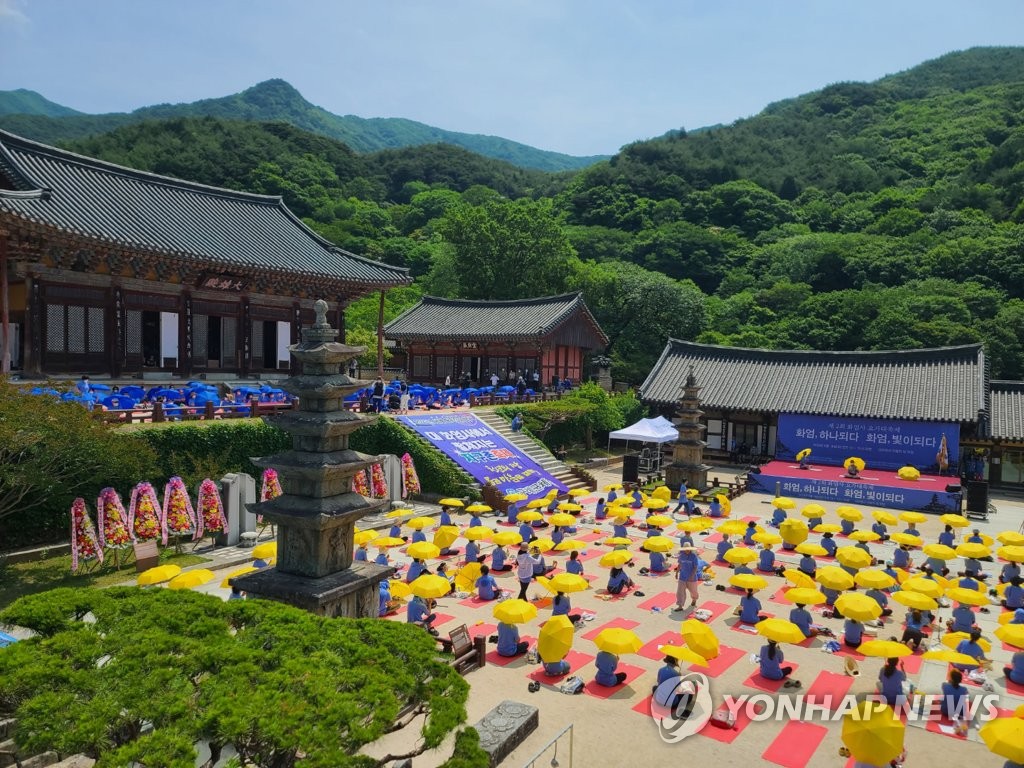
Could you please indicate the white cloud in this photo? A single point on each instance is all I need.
(11, 12)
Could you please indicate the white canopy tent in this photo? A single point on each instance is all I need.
(657, 430)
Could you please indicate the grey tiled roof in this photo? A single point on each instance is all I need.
(1008, 410)
(947, 383)
(438, 318)
(151, 213)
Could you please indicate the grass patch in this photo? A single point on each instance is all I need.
(19, 579)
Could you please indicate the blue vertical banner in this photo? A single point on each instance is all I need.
(932, 447)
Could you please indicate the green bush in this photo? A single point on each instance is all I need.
(467, 752)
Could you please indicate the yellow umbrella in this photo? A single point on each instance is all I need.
(430, 586)
(470, 572)
(568, 506)
(780, 630)
(953, 639)
(813, 511)
(570, 545)
(665, 544)
(399, 513)
(913, 517)
(384, 542)
(157, 575)
(914, 600)
(659, 521)
(695, 524)
(662, 492)
(577, 492)
(365, 537)
(451, 503)
(804, 596)
(542, 545)
(908, 473)
(1004, 736)
(555, 639)
(566, 582)
(692, 493)
(399, 589)
(507, 538)
(655, 503)
(529, 516)
(512, 498)
(515, 611)
(849, 513)
(537, 504)
(967, 596)
(562, 519)
(1011, 634)
(853, 557)
(883, 517)
(446, 535)
(419, 523)
(740, 556)
(267, 550)
(191, 579)
(907, 539)
(615, 559)
(783, 502)
(617, 541)
(225, 584)
(1013, 552)
(1012, 538)
(865, 536)
(924, 586)
(973, 549)
(748, 581)
(854, 605)
(950, 657)
(873, 733)
(803, 454)
(726, 504)
(767, 537)
(700, 638)
(423, 550)
(885, 649)
(940, 551)
(618, 641)
(799, 578)
(479, 509)
(827, 528)
(857, 461)
(613, 487)
(873, 578)
(732, 527)
(812, 549)
(793, 530)
(682, 653)
(834, 577)
(957, 521)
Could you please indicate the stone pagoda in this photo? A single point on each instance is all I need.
(317, 513)
(688, 451)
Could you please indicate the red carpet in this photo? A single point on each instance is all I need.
(604, 691)
(828, 688)
(870, 475)
(771, 686)
(727, 656)
(795, 744)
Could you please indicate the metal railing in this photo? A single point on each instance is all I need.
(564, 736)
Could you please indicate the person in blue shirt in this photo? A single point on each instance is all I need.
(513, 512)
(847, 527)
(881, 530)
(383, 598)
(723, 546)
(499, 560)
(802, 618)
(742, 568)
(689, 570)
(555, 668)
(971, 647)
(778, 517)
(890, 682)
(638, 497)
(901, 558)
(382, 557)
(682, 497)
(750, 609)
(829, 543)
(526, 531)
(486, 586)
(936, 565)
(975, 537)
(361, 554)
(619, 527)
(853, 633)
(1010, 572)
(748, 535)
(963, 619)
(612, 496)
(766, 559)
(808, 566)
(618, 581)
(685, 539)
(913, 632)
(1015, 671)
(658, 563)
(509, 643)
(1013, 596)
(954, 696)
(561, 606)
(863, 545)
(416, 569)
(882, 599)
(418, 535)
(890, 569)
(475, 521)
(606, 675)
(666, 690)
(714, 508)
(446, 517)
(967, 581)
(653, 530)
(473, 553)
(418, 613)
(573, 564)
(558, 534)
(770, 660)
(831, 595)
(601, 510)
(947, 536)
(1018, 616)
(911, 530)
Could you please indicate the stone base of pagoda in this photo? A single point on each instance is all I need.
(695, 475)
(352, 593)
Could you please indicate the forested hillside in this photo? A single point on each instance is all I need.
(862, 216)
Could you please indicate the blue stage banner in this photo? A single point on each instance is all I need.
(931, 447)
(922, 500)
(483, 453)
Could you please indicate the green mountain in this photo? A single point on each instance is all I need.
(25, 102)
(277, 101)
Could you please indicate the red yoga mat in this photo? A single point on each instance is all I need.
(728, 735)
(619, 623)
(662, 600)
(727, 656)
(576, 661)
(795, 744)
(604, 691)
(829, 688)
(484, 629)
(442, 618)
(650, 649)
(503, 661)
(771, 686)
(717, 609)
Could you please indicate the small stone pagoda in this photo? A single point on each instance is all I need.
(688, 451)
(316, 515)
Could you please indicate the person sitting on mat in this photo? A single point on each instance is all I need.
(975, 537)
(673, 692)
(913, 632)
(526, 531)
(573, 564)
(766, 560)
(418, 535)
(962, 620)
(851, 469)
(1010, 572)
(808, 566)
(890, 682)
(750, 609)
(561, 606)
(881, 530)
(486, 586)
(778, 516)
(618, 582)
(619, 528)
(499, 560)
(715, 508)
(418, 613)
(770, 660)
(971, 647)
(556, 668)
(1015, 671)
(723, 546)
(541, 567)
(853, 633)
(473, 553)
(606, 675)
(910, 530)
(947, 536)
(416, 569)
(967, 581)
(828, 542)
(802, 618)
(742, 568)
(882, 599)
(558, 535)
(1013, 595)
(382, 557)
(831, 595)
(847, 526)
(513, 513)
(658, 563)
(901, 558)
(361, 555)
(509, 644)
(954, 695)
(748, 535)
(601, 510)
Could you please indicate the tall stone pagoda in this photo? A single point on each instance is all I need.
(688, 451)
(316, 515)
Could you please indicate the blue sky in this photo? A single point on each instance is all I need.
(576, 76)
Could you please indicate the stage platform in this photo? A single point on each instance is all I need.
(872, 487)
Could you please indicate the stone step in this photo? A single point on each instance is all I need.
(41, 760)
(75, 761)
(6, 727)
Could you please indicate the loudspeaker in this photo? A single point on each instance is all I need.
(953, 488)
(755, 471)
(977, 496)
(630, 468)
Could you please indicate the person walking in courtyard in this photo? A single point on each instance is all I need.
(690, 568)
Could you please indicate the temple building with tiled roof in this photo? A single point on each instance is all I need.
(441, 338)
(114, 270)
